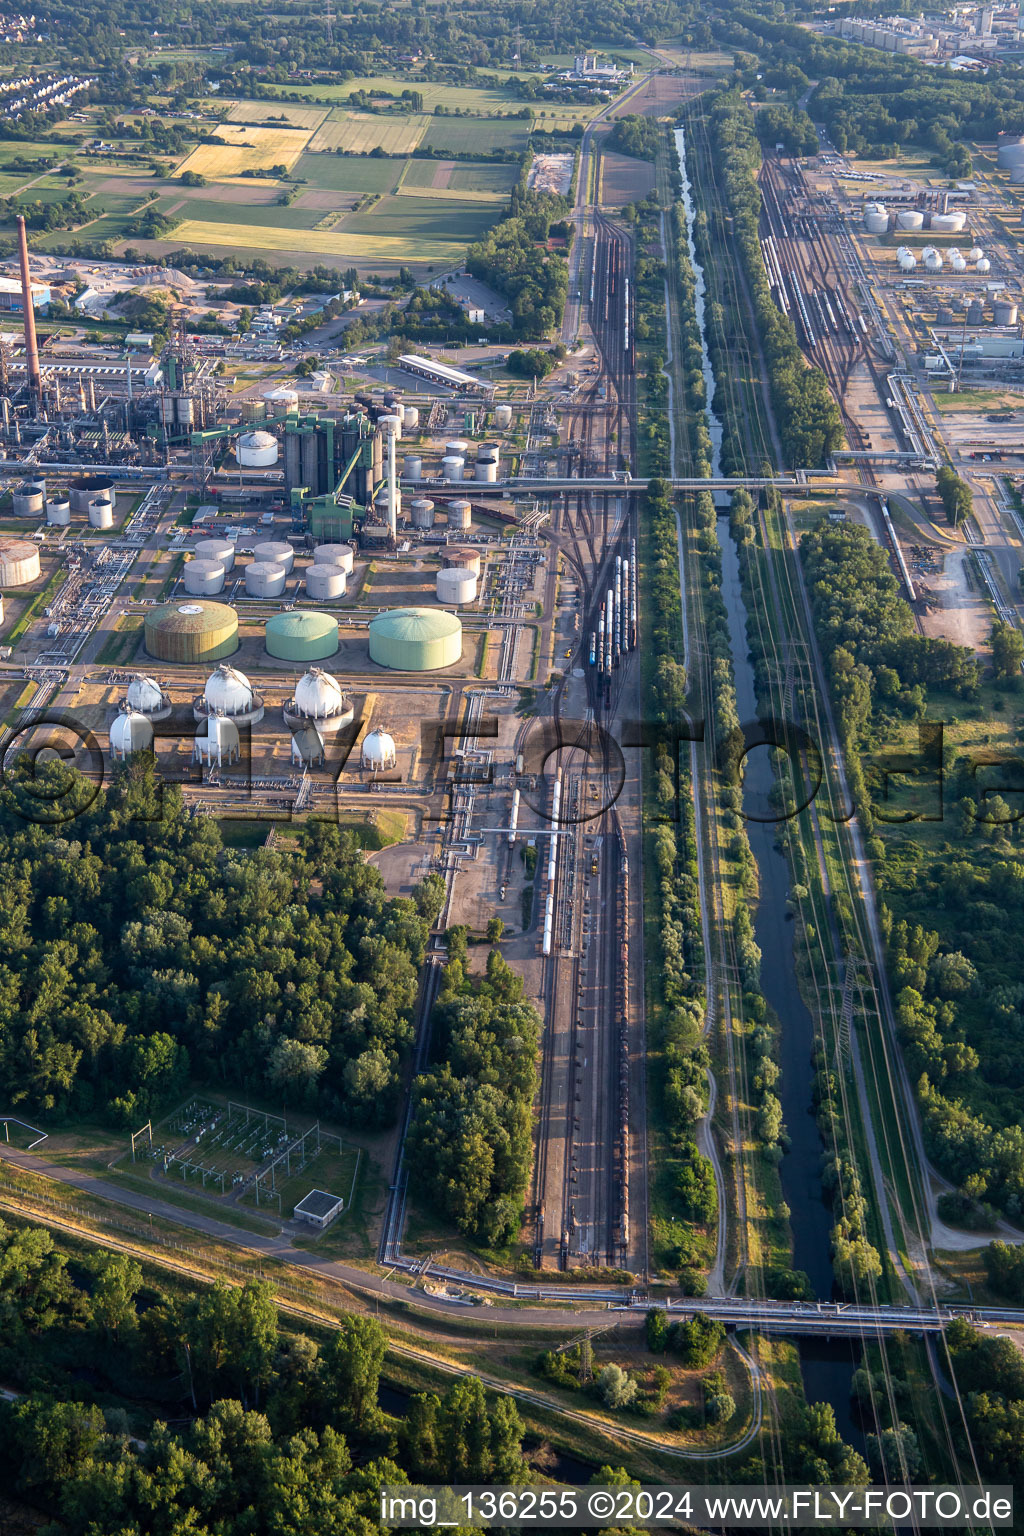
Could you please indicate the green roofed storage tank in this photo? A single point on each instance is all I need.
(415, 639)
(192, 631)
(302, 636)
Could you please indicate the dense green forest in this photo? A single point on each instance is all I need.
(151, 1411)
(470, 1141)
(138, 949)
(952, 908)
(874, 102)
(511, 258)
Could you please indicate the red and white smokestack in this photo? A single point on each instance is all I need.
(35, 381)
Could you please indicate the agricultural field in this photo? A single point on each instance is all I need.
(470, 98)
(246, 148)
(477, 136)
(460, 177)
(424, 219)
(349, 173)
(277, 113)
(357, 133)
(381, 244)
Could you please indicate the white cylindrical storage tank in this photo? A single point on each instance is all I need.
(256, 450)
(487, 462)
(58, 509)
(421, 512)
(452, 467)
(459, 513)
(456, 586)
(101, 513)
(984, 265)
(274, 552)
(216, 549)
(265, 578)
(948, 223)
(324, 582)
(461, 560)
(280, 400)
(503, 417)
(958, 263)
(335, 554)
(19, 562)
(410, 418)
(384, 503)
(876, 218)
(27, 499)
(457, 447)
(203, 578)
(1009, 150)
(412, 467)
(910, 218)
(391, 426)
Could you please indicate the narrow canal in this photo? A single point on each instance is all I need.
(827, 1369)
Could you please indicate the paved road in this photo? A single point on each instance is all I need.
(589, 1307)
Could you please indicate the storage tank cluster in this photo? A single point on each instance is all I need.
(932, 259)
(906, 258)
(487, 460)
(957, 260)
(876, 218)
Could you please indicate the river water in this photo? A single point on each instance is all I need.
(827, 1367)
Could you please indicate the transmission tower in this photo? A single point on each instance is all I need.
(329, 23)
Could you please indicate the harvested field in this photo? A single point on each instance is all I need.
(428, 173)
(246, 148)
(391, 244)
(360, 132)
(660, 95)
(454, 193)
(429, 218)
(624, 180)
(466, 177)
(277, 113)
(268, 215)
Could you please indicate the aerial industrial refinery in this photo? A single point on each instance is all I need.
(349, 604)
